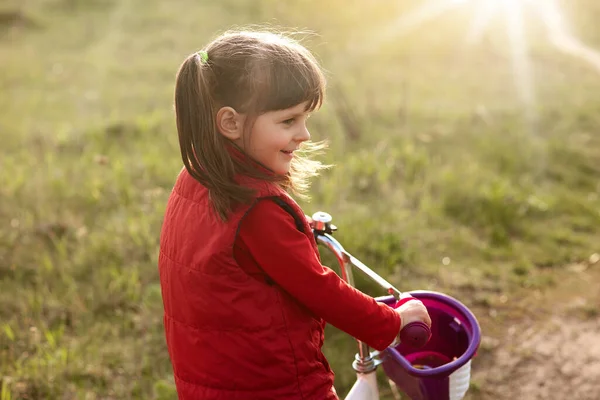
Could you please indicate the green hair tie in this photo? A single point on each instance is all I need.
(203, 56)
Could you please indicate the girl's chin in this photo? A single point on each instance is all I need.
(282, 172)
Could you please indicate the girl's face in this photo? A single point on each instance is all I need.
(275, 136)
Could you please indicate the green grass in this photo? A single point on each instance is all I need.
(434, 161)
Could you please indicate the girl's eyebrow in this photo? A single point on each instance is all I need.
(297, 114)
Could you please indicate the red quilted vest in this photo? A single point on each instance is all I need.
(229, 334)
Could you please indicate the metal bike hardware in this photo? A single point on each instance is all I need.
(323, 230)
(365, 361)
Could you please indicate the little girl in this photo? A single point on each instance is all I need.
(245, 296)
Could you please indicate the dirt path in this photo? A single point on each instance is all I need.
(553, 354)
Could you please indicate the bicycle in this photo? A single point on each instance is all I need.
(429, 364)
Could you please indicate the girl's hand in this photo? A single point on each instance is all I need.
(310, 221)
(413, 311)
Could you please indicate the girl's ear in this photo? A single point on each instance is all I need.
(230, 123)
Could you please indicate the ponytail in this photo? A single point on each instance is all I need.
(202, 147)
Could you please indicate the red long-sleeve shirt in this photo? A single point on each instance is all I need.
(269, 242)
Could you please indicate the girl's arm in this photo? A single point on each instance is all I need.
(286, 255)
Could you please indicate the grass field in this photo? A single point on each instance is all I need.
(448, 177)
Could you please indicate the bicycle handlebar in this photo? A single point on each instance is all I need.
(344, 257)
(414, 334)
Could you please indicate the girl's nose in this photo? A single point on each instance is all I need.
(303, 135)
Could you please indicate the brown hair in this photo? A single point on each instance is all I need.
(252, 72)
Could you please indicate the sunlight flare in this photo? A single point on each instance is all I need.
(520, 60)
(483, 15)
(422, 14)
(559, 34)
(485, 12)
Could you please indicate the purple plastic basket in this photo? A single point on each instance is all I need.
(439, 370)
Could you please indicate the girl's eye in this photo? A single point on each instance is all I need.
(289, 121)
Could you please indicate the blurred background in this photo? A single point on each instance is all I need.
(465, 135)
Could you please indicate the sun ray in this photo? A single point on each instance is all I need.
(483, 15)
(520, 59)
(424, 13)
(559, 35)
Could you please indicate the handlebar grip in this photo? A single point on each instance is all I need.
(415, 334)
